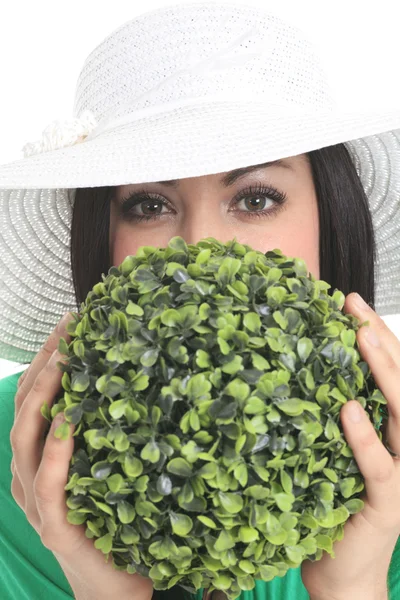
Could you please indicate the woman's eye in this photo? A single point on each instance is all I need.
(254, 199)
(251, 202)
(254, 203)
(142, 206)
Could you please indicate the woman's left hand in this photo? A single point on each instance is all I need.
(362, 558)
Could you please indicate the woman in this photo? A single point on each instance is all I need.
(161, 146)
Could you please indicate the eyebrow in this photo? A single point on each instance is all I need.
(231, 177)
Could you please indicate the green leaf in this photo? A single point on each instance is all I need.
(203, 360)
(45, 411)
(225, 541)
(181, 524)
(238, 389)
(203, 257)
(284, 501)
(304, 348)
(331, 474)
(149, 358)
(134, 309)
(101, 470)
(252, 322)
(280, 319)
(179, 466)
(115, 482)
(354, 505)
(76, 517)
(255, 406)
(170, 317)
(164, 484)
(140, 484)
(129, 536)
(347, 486)
(207, 521)
(63, 346)
(324, 542)
(126, 512)
(232, 503)
(104, 543)
(222, 582)
(150, 452)
(259, 492)
(295, 553)
(241, 474)
(133, 466)
(325, 491)
(74, 413)
(80, 381)
(273, 275)
(268, 572)
(291, 406)
(227, 270)
(247, 566)
(178, 244)
(248, 534)
(234, 366)
(117, 409)
(286, 482)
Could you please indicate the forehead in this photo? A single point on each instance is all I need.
(293, 165)
(228, 178)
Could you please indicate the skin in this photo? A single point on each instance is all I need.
(40, 464)
(202, 207)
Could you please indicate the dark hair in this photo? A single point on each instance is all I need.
(347, 250)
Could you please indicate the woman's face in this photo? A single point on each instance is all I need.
(219, 206)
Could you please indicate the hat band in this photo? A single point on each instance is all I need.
(110, 122)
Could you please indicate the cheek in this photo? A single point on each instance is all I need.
(302, 240)
(123, 242)
(295, 232)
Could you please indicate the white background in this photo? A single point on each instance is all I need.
(43, 46)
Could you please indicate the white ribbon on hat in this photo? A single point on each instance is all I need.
(59, 134)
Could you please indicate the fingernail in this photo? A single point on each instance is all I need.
(372, 338)
(355, 412)
(58, 419)
(360, 302)
(66, 318)
(54, 358)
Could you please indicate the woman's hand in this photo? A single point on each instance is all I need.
(40, 471)
(362, 558)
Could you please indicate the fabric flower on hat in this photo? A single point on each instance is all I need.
(60, 134)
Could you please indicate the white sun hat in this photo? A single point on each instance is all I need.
(181, 91)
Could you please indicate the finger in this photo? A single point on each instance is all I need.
(21, 379)
(17, 492)
(386, 373)
(56, 533)
(373, 460)
(388, 340)
(42, 357)
(27, 432)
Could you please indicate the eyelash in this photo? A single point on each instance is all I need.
(142, 195)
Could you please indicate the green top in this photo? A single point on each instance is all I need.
(28, 570)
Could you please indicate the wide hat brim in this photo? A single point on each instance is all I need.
(192, 140)
(36, 193)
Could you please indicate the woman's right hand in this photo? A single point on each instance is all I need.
(40, 469)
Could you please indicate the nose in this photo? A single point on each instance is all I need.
(206, 223)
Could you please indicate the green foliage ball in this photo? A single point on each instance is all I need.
(205, 383)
